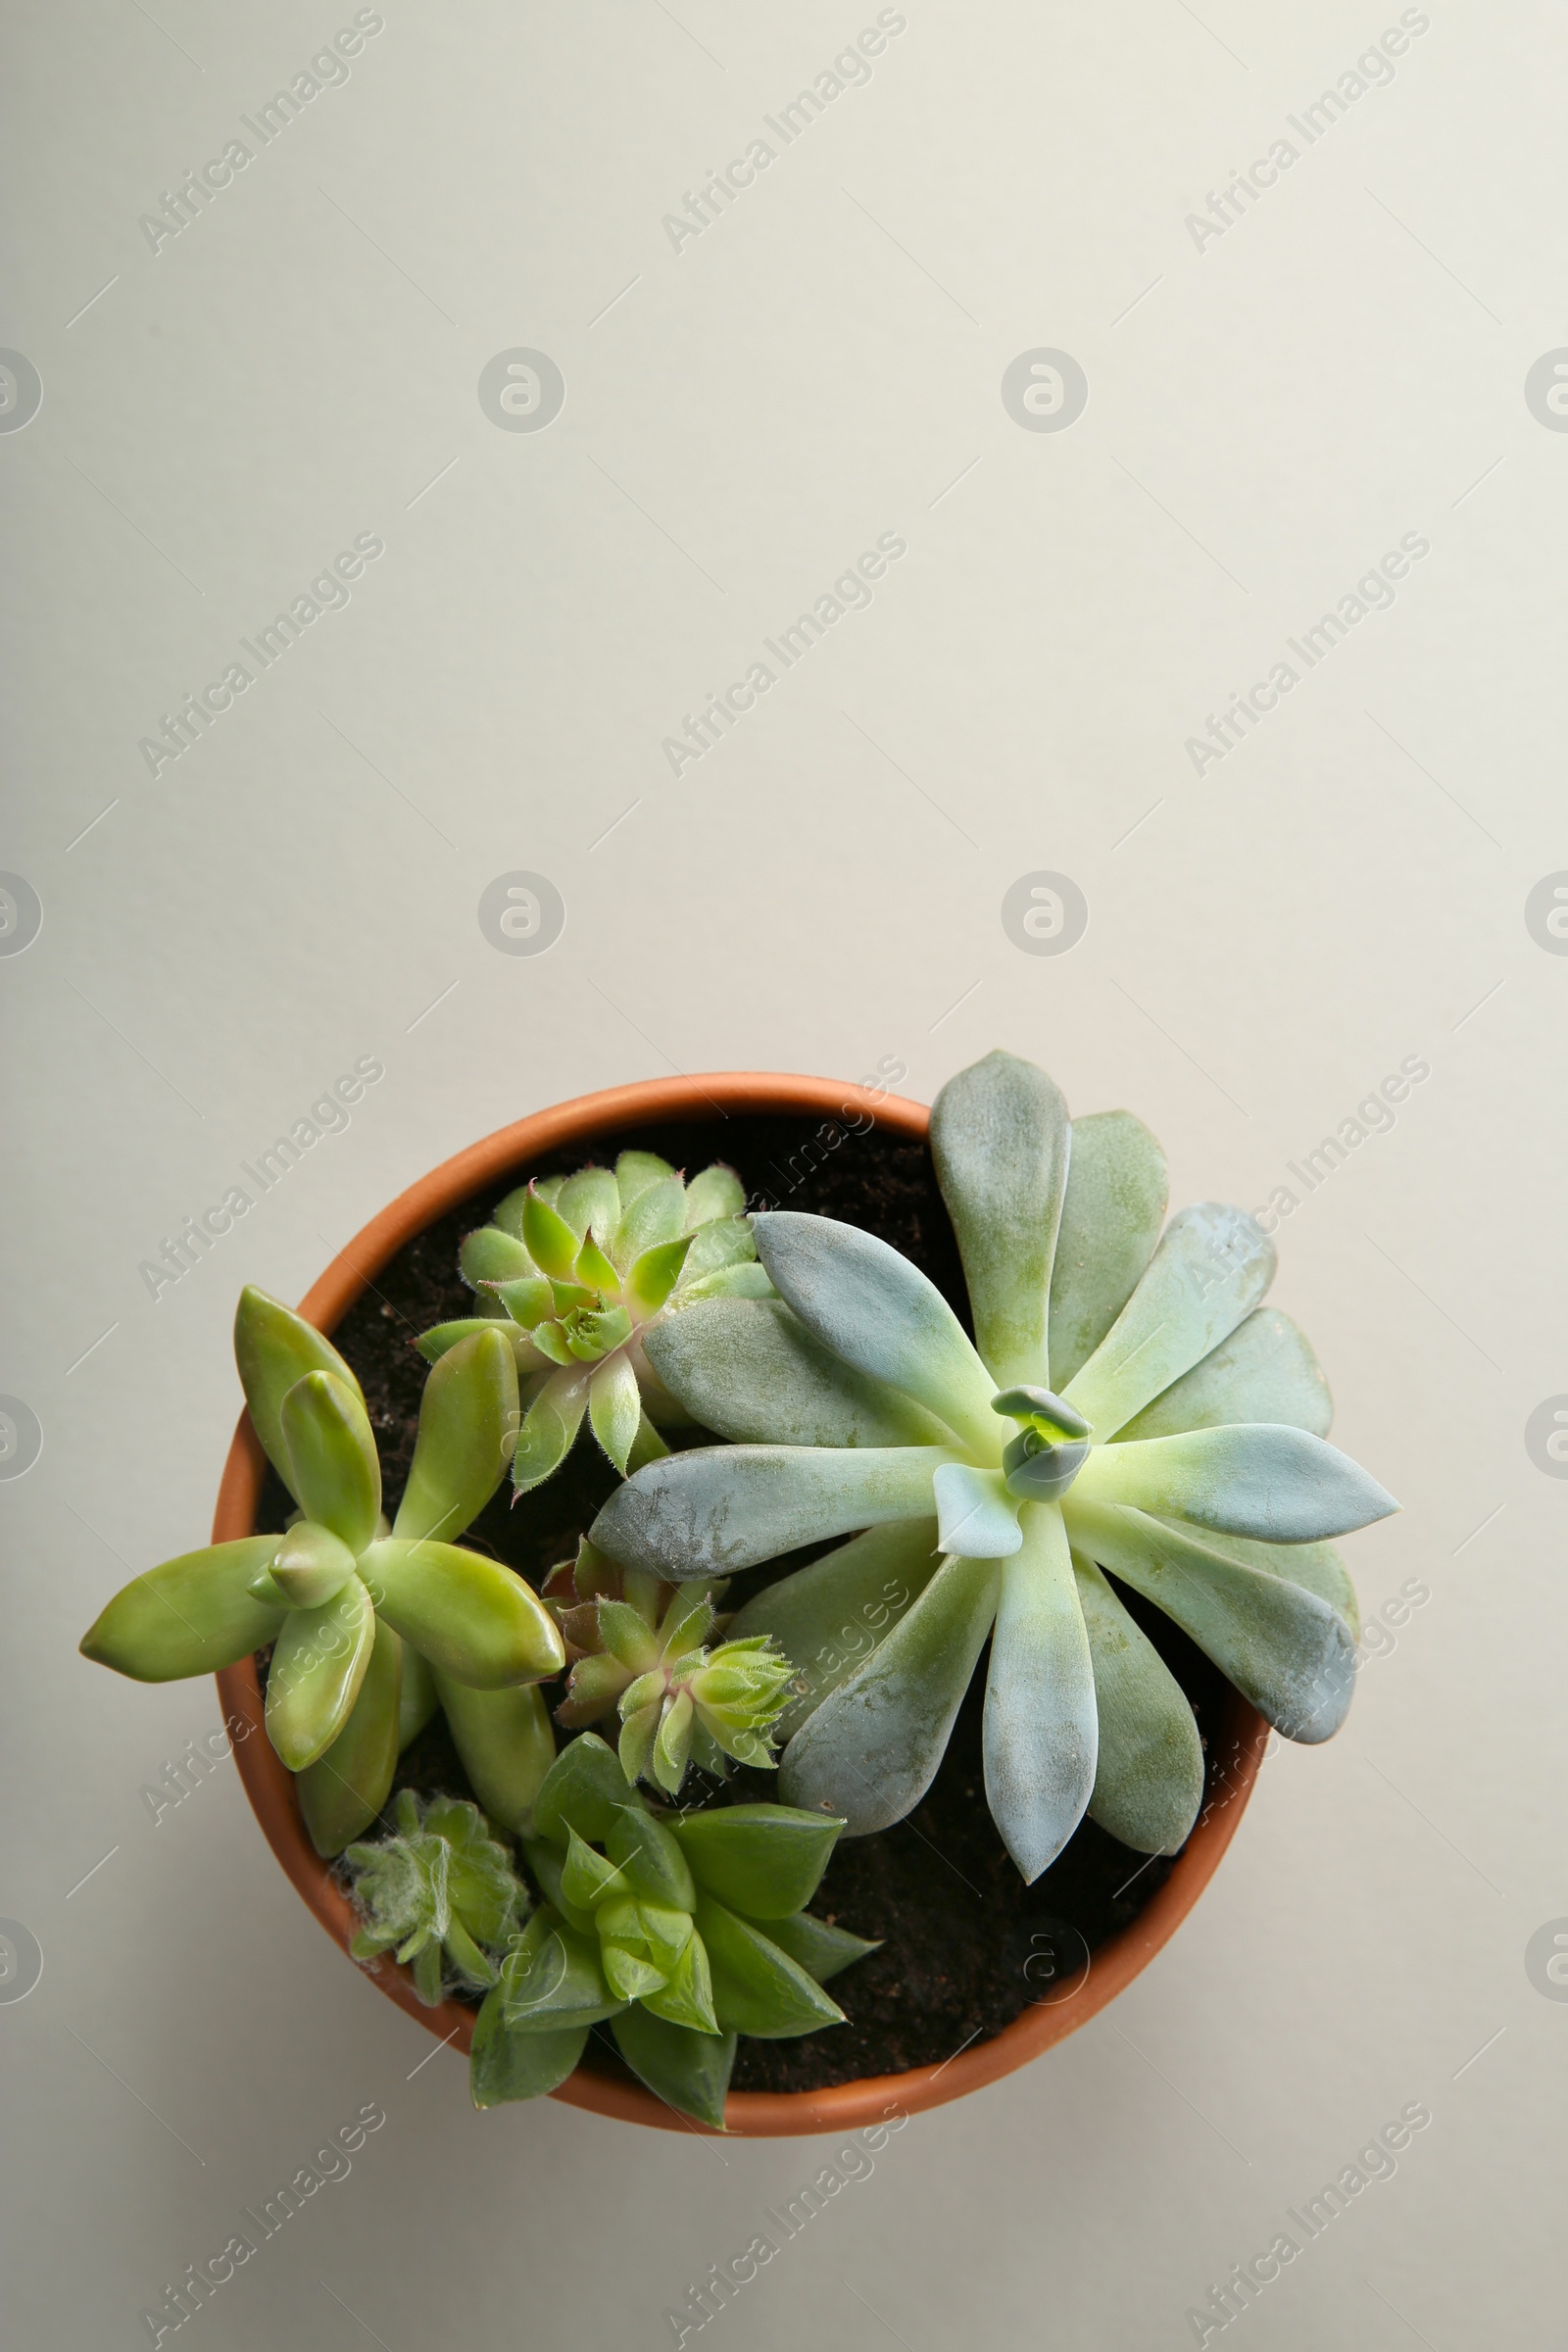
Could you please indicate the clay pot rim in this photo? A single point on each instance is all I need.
(844, 2106)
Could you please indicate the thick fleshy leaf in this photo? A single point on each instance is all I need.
(1040, 1725)
(490, 1255)
(549, 1239)
(318, 1663)
(635, 1171)
(191, 1615)
(549, 1427)
(757, 1989)
(816, 1947)
(614, 1409)
(686, 1997)
(1213, 1266)
(504, 2064)
(590, 1204)
(274, 1347)
(528, 1300)
(751, 1370)
(717, 1508)
(1148, 1777)
(1000, 1139)
(976, 1516)
(690, 2072)
(586, 1877)
(309, 1565)
(1315, 1567)
(878, 1312)
(553, 1978)
(341, 1793)
(651, 1277)
(505, 1744)
(656, 1217)
(1282, 1647)
(468, 1428)
(584, 1789)
(1265, 1371)
(1116, 1192)
(763, 1860)
(650, 1859)
(471, 1618)
(419, 1698)
(638, 1732)
(829, 1617)
(727, 1241)
(713, 1193)
(334, 1474)
(871, 1749)
(434, 1342)
(1260, 1479)
(730, 1282)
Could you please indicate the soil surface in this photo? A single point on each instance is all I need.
(965, 1946)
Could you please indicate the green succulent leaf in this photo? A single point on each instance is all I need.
(651, 1277)
(1040, 1723)
(467, 1427)
(504, 2064)
(757, 1989)
(714, 1509)
(690, 2072)
(871, 1749)
(550, 1240)
(1213, 1266)
(1000, 1136)
(1148, 1776)
(334, 1473)
(274, 1347)
(587, 1878)
(506, 1742)
(878, 1313)
(763, 1860)
(584, 1789)
(1279, 1485)
(550, 1426)
(191, 1615)
(751, 1370)
(1110, 1220)
(635, 1171)
(1315, 1567)
(434, 1342)
(978, 1518)
(829, 1617)
(490, 1258)
(813, 1945)
(418, 1699)
(318, 1662)
(726, 1242)
(728, 1282)
(528, 1300)
(552, 1977)
(616, 1408)
(714, 1192)
(341, 1793)
(686, 1998)
(592, 1332)
(309, 1565)
(1265, 1371)
(651, 1858)
(590, 1204)
(657, 1216)
(473, 1619)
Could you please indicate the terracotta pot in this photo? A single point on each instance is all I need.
(574, 1127)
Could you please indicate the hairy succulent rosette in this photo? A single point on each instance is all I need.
(1129, 1413)
(640, 1653)
(683, 1931)
(440, 1893)
(369, 1624)
(577, 1270)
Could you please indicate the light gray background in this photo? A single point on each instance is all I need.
(1265, 943)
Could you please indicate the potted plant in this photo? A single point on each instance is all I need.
(1121, 1482)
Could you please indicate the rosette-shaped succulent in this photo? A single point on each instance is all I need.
(577, 1270)
(343, 1598)
(1128, 1411)
(440, 1893)
(638, 1647)
(684, 1930)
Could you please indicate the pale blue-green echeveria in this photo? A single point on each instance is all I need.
(683, 1931)
(638, 1647)
(577, 1270)
(1129, 1406)
(362, 1617)
(441, 1893)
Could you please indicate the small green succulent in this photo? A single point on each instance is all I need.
(576, 1270)
(683, 1931)
(438, 1891)
(368, 1623)
(638, 1647)
(1127, 1411)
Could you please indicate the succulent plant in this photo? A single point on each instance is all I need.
(639, 1646)
(440, 1893)
(1128, 1410)
(368, 1623)
(682, 1929)
(577, 1270)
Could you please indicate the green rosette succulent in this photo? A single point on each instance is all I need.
(638, 1648)
(683, 1931)
(577, 1270)
(1128, 1414)
(369, 1623)
(440, 1893)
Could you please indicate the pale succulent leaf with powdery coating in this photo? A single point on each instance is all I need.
(1117, 1188)
(977, 1519)
(871, 1749)
(471, 1618)
(468, 1428)
(878, 1312)
(999, 1138)
(1285, 1649)
(1040, 1722)
(274, 1347)
(1265, 1371)
(827, 1618)
(1213, 1266)
(719, 1508)
(751, 1370)
(318, 1663)
(1257, 1479)
(1315, 1567)
(1149, 1774)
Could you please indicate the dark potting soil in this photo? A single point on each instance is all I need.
(965, 1945)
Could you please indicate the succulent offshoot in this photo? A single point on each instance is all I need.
(440, 1893)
